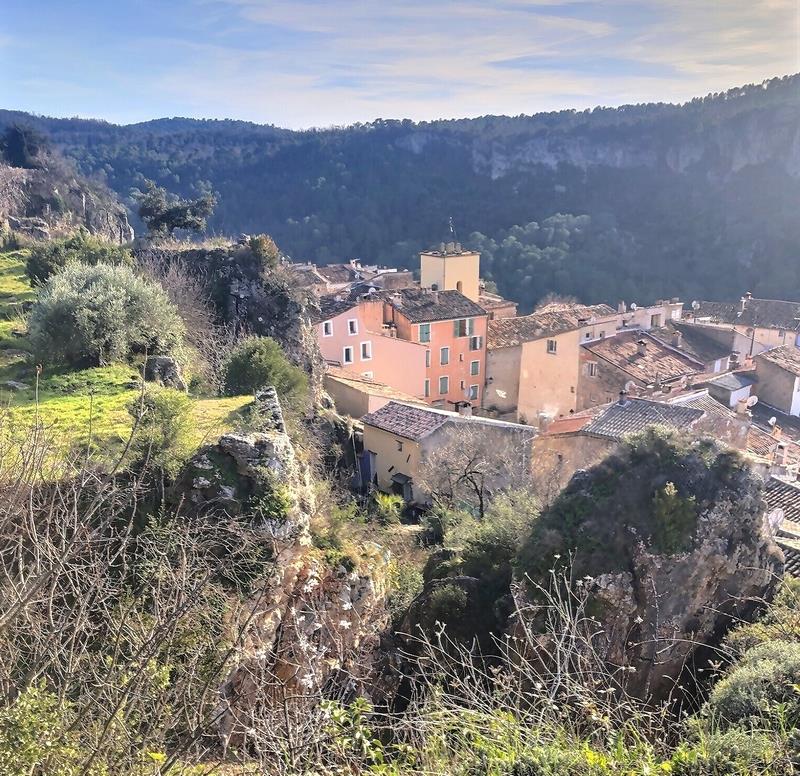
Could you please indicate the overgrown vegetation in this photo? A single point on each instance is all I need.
(259, 361)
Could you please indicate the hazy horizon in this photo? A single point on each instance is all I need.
(314, 64)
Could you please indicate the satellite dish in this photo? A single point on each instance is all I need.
(772, 421)
(695, 305)
(634, 306)
(774, 520)
(752, 401)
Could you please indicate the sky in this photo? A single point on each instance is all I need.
(303, 63)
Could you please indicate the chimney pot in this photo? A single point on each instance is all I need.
(741, 407)
(641, 347)
(677, 338)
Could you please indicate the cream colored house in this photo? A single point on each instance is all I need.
(398, 438)
(450, 268)
(355, 395)
(778, 378)
(533, 361)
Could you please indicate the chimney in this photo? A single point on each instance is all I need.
(677, 339)
(397, 299)
(780, 454)
(675, 300)
(741, 406)
(641, 347)
(745, 299)
(734, 359)
(622, 308)
(435, 295)
(465, 409)
(623, 398)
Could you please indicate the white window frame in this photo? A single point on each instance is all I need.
(552, 347)
(442, 360)
(476, 342)
(475, 368)
(427, 388)
(473, 392)
(446, 379)
(327, 328)
(428, 359)
(419, 332)
(591, 368)
(368, 357)
(352, 327)
(352, 354)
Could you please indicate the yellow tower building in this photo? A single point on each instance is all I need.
(450, 268)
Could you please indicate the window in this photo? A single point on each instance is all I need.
(327, 329)
(474, 367)
(427, 388)
(655, 321)
(352, 326)
(588, 335)
(464, 327)
(591, 368)
(602, 335)
(424, 332)
(463, 385)
(427, 358)
(444, 385)
(676, 313)
(552, 346)
(473, 392)
(366, 351)
(444, 356)
(347, 355)
(399, 445)
(476, 343)
(459, 287)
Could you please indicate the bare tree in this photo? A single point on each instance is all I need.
(470, 461)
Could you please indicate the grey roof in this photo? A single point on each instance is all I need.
(786, 357)
(791, 554)
(694, 341)
(413, 423)
(733, 381)
(420, 305)
(634, 415)
(330, 307)
(768, 313)
(780, 494)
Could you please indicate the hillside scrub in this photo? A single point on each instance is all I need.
(96, 315)
(47, 258)
(257, 362)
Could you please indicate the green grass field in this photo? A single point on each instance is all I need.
(72, 408)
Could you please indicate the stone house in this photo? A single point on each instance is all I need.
(533, 360)
(759, 324)
(778, 378)
(398, 437)
(355, 395)
(696, 342)
(634, 362)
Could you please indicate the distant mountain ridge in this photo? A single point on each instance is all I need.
(640, 201)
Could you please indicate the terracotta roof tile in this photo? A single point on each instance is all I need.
(553, 319)
(693, 341)
(786, 356)
(406, 421)
(421, 305)
(658, 362)
(622, 418)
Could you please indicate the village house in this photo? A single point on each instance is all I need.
(399, 437)
(355, 395)
(352, 336)
(533, 361)
(329, 279)
(695, 342)
(759, 324)
(778, 378)
(635, 362)
(732, 389)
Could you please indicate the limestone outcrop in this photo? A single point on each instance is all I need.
(314, 625)
(670, 543)
(53, 202)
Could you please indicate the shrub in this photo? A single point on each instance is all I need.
(51, 257)
(447, 605)
(265, 250)
(405, 584)
(90, 316)
(761, 690)
(387, 508)
(259, 361)
(164, 432)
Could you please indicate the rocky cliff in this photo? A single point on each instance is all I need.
(669, 543)
(312, 630)
(53, 201)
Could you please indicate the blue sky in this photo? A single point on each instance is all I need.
(301, 63)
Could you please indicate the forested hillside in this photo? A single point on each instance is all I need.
(635, 202)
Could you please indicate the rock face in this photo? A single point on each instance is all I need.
(672, 546)
(166, 371)
(54, 202)
(314, 626)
